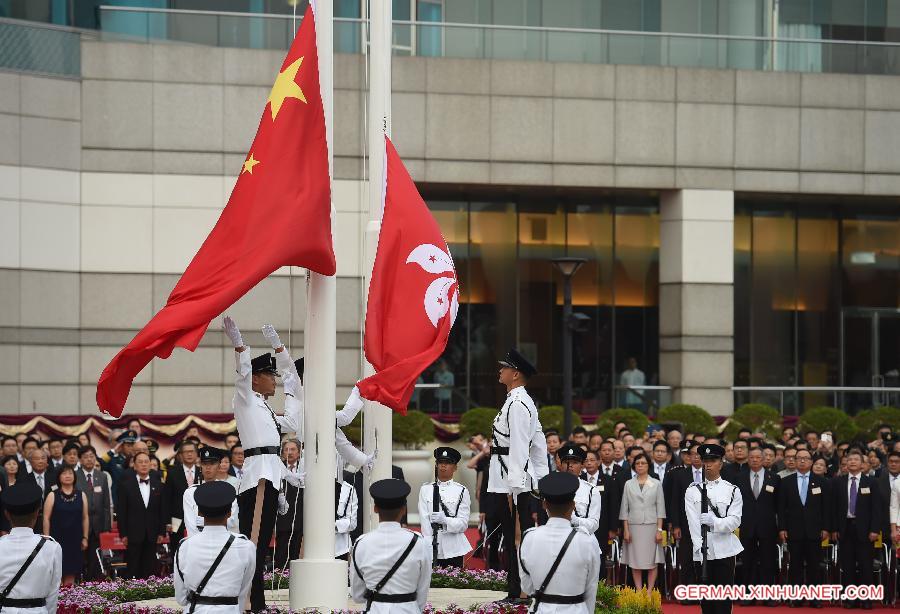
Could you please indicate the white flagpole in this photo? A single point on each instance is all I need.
(319, 580)
(377, 418)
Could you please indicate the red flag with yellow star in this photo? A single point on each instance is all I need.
(279, 214)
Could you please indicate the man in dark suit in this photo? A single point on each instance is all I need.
(886, 481)
(44, 476)
(289, 526)
(180, 476)
(94, 483)
(759, 526)
(732, 471)
(856, 523)
(662, 460)
(679, 481)
(804, 517)
(609, 515)
(142, 510)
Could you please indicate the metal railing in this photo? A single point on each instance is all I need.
(648, 399)
(495, 41)
(794, 399)
(40, 48)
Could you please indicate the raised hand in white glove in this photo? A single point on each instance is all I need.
(437, 518)
(233, 332)
(370, 462)
(354, 401)
(271, 336)
(708, 519)
(282, 504)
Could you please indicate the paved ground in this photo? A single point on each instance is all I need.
(439, 598)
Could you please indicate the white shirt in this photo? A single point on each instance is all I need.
(40, 478)
(375, 553)
(456, 505)
(258, 426)
(762, 479)
(895, 502)
(803, 484)
(514, 427)
(587, 506)
(721, 541)
(593, 479)
(144, 488)
(659, 470)
(193, 521)
(345, 520)
(232, 577)
(40, 580)
(608, 470)
(697, 473)
(850, 477)
(578, 571)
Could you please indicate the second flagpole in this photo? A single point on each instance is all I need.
(377, 425)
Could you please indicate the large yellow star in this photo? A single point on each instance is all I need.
(249, 163)
(285, 87)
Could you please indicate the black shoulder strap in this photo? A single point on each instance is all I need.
(540, 592)
(23, 568)
(211, 571)
(390, 572)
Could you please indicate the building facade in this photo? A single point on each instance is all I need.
(735, 195)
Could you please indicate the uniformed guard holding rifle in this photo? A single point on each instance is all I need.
(444, 507)
(712, 531)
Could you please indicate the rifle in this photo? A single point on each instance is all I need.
(704, 529)
(435, 507)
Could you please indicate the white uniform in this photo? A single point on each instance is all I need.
(578, 572)
(895, 503)
(514, 429)
(538, 459)
(231, 578)
(721, 541)
(587, 507)
(456, 504)
(193, 521)
(40, 580)
(373, 556)
(345, 519)
(259, 426)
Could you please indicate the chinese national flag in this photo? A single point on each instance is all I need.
(279, 214)
(413, 295)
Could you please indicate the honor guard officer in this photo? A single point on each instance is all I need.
(560, 564)
(391, 565)
(260, 430)
(588, 499)
(512, 431)
(724, 516)
(30, 564)
(214, 568)
(210, 458)
(452, 519)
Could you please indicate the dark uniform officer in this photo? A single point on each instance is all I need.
(723, 517)
(560, 563)
(214, 568)
(759, 525)
(30, 565)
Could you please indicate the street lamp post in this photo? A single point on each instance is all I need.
(567, 267)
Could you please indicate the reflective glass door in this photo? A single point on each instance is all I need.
(870, 355)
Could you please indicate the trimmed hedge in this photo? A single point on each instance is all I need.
(693, 419)
(828, 419)
(756, 417)
(413, 430)
(552, 417)
(636, 421)
(868, 420)
(477, 420)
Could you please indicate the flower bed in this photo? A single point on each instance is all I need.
(115, 596)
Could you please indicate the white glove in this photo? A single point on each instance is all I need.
(233, 332)
(271, 336)
(295, 479)
(437, 518)
(354, 401)
(282, 504)
(708, 519)
(370, 462)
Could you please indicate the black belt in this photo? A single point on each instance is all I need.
(562, 599)
(9, 602)
(206, 600)
(498, 451)
(262, 450)
(370, 595)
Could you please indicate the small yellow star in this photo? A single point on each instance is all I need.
(285, 87)
(249, 163)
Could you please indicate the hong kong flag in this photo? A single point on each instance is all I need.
(279, 214)
(413, 295)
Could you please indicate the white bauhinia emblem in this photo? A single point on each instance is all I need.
(437, 297)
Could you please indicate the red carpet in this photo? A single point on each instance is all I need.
(674, 608)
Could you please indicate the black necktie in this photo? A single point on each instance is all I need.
(147, 481)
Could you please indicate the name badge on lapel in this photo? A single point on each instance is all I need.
(816, 490)
(98, 489)
(770, 488)
(864, 490)
(601, 488)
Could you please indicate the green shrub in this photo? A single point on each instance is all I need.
(607, 596)
(756, 417)
(828, 419)
(413, 430)
(552, 417)
(353, 431)
(635, 421)
(477, 420)
(693, 419)
(867, 421)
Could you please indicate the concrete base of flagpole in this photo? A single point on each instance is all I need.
(319, 583)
